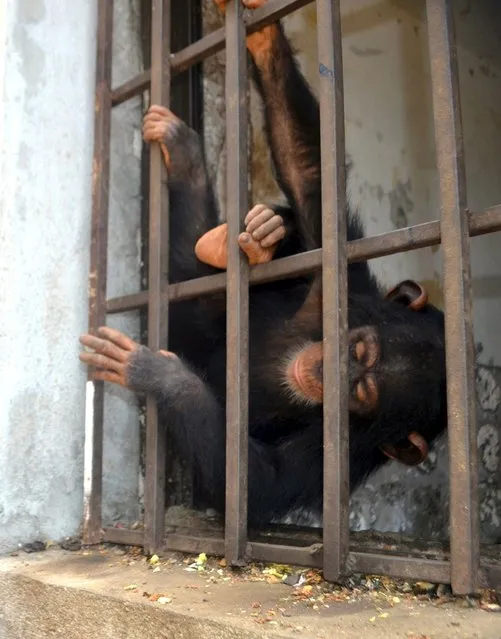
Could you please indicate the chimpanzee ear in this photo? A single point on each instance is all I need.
(412, 453)
(409, 293)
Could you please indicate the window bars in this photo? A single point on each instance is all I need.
(465, 570)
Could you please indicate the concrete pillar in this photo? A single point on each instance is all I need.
(47, 62)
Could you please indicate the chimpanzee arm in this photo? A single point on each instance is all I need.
(196, 420)
(189, 407)
(292, 118)
(293, 126)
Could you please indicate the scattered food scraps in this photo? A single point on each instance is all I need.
(153, 560)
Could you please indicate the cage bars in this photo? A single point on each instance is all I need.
(94, 404)
(334, 290)
(402, 240)
(158, 259)
(453, 230)
(460, 350)
(237, 286)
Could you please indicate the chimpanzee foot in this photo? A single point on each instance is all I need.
(248, 4)
(259, 43)
(111, 355)
(264, 230)
(180, 145)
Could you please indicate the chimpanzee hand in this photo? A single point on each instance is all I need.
(264, 230)
(180, 145)
(122, 361)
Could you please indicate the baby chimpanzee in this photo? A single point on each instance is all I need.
(396, 371)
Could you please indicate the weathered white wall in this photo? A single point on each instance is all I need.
(47, 62)
(47, 57)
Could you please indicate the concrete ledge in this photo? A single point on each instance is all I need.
(90, 595)
(37, 610)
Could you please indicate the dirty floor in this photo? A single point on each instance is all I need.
(250, 603)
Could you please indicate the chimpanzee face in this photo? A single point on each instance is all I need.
(396, 366)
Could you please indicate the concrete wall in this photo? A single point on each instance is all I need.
(47, 57)
(393, 183)
(47, 62)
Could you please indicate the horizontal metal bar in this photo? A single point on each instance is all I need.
(408, 239)
(123, 536)
(412, 568)
(207, 46)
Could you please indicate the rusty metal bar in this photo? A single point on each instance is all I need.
(207, 46)
(334, 291)
(237, 280)
(154, 489)
(407, 239)
(123, 536)
(412, 568)
(460, 355)
(94, 405)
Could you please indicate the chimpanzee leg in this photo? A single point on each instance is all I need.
(193, 212)
(292, 119)
(193, 207)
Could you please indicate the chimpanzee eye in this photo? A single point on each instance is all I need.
(366, 393)
(360, 350)
(361, 392)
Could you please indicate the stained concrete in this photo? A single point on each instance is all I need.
(75, 595)
(47, 59)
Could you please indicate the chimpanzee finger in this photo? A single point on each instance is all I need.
(101, 361)
(168, 354)
(154, 118)
(274, 237)
(259, 220)
(106, 376)
(158, 109)
(104, 347)
(255, 211)
(256, 254)
(118, 338)
(267, 227)
(153, 130)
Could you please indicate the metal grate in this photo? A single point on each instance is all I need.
(465, 570)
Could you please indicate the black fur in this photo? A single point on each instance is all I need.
(285, 445)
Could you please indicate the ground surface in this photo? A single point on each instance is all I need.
(106, 592)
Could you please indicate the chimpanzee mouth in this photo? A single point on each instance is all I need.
(301, 375)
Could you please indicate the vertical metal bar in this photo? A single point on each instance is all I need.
(93, 458)
(335, 291)
(464, 516)
(237, 328)
(154, 491)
